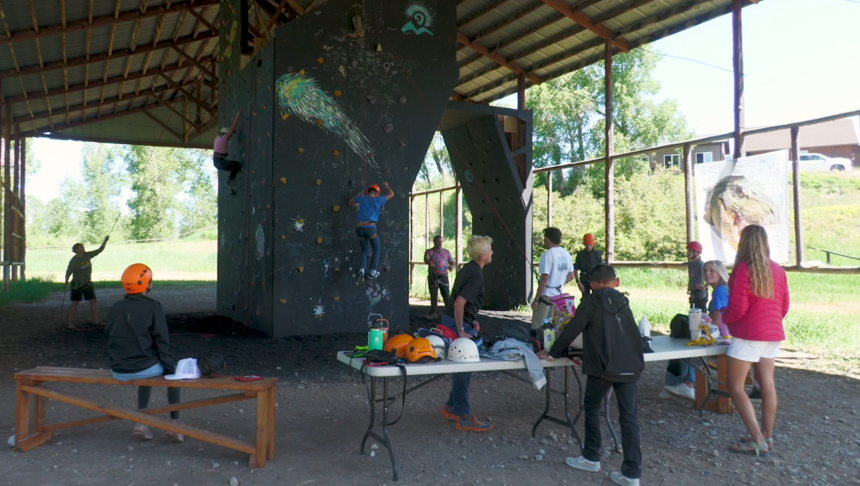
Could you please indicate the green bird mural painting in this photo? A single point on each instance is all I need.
(301, 96)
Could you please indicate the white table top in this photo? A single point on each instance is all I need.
(664, 347)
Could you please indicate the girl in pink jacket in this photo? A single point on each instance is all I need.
(758, 303)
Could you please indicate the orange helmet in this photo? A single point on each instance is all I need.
(373, 187)
(136, 278)
(398, 345)
(420, 350)
(588, 239)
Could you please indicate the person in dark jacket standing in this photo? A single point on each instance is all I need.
(612, 359)
(139, 344)
(586, 261)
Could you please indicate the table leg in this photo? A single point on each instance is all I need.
(605, 414)
(372, 414)
(705, 390)
(385, 427)
(548, 389)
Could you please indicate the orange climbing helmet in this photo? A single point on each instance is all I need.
(398, 345)
(136, 278)
(421, 351)
(588, 239)
(373, 187)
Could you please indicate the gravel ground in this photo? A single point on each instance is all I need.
(323, 411)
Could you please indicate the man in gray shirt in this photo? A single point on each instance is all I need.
(695, 268)
(81, 270)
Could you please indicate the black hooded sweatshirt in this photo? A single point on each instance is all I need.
(611, 346)
(137, 336)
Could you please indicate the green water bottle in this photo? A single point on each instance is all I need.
(376, 336)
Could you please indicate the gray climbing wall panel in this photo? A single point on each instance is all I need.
(497, 184)
(324, 115)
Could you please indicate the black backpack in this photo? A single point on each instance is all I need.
(623, 347)
(680, 327)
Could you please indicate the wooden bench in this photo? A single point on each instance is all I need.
(32, 382)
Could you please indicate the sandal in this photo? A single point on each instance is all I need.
(750, 446)
(768, 441)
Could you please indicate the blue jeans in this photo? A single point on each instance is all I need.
(688, 373)
(368, 239)
(458, 399)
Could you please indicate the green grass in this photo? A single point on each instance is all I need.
(173, 260)
(39, 288)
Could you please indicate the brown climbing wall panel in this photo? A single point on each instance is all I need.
(499, 199)
(327, 114)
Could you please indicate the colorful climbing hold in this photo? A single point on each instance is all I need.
(301, 221)
(336, 208)
(336, 269)
(283, 180)
(336, 299)
(319, 181)
(283, 301)
(301, 150)
(320, 60)
(285, 116)
(336, 153)
(319, 121)
(301, 269)
(301, 72)
(283, 237)
(337, 92)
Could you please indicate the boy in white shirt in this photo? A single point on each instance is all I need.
(556, 269)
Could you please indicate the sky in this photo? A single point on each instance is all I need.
(801, 61)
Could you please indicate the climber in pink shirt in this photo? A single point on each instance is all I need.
(219, 157)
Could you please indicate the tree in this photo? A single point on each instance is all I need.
(155, 186)
(103, 182)
(200, 205)
(569, 118)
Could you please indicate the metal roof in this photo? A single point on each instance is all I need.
(99, 69)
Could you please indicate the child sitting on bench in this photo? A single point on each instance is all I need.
(139, 344)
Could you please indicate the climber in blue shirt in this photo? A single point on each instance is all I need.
(369, 202)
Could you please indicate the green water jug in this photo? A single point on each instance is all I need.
(376, 336)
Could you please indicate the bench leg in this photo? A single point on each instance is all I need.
(706, 392)
(22, 414)
(273, 401)
(258, 459)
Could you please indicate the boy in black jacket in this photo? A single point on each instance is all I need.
(612, 359)
(139, 343)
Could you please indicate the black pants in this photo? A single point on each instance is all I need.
(221, 163)
(595, 391)
(701, 304)
(587, 286)
(173, 397)
(438, 283)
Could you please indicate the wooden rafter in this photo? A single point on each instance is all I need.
(274, 16)
(514, 67)
(80, 61)
(164, 125)
(170, 107)
(200, 66)
(96, 84)
(585, 21)
(202, 20)
(107, 20)
(188, 95)
(112, 116)
(480, 13)
(35, 21)
(79, 107)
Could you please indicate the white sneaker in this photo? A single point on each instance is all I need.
(619, 478)
(373, 274)
(681, 390)
(664, 395)
(583, 464)
(141, 432)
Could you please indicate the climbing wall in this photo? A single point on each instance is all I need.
(491, 153)
(327, 110)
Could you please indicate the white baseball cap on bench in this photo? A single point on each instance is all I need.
(186, 369)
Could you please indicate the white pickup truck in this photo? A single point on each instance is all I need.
(810, 162)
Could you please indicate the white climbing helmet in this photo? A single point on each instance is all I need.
(438, 344)
(463, 350)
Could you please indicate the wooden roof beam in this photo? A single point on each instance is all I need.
(585, 21)
(186, 93)
(106, 20)
(97, 84)
(80, 61)
(199, 65)
(164, 125)
(112, 116)
(501, 61)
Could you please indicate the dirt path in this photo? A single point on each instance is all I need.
(322, 413)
